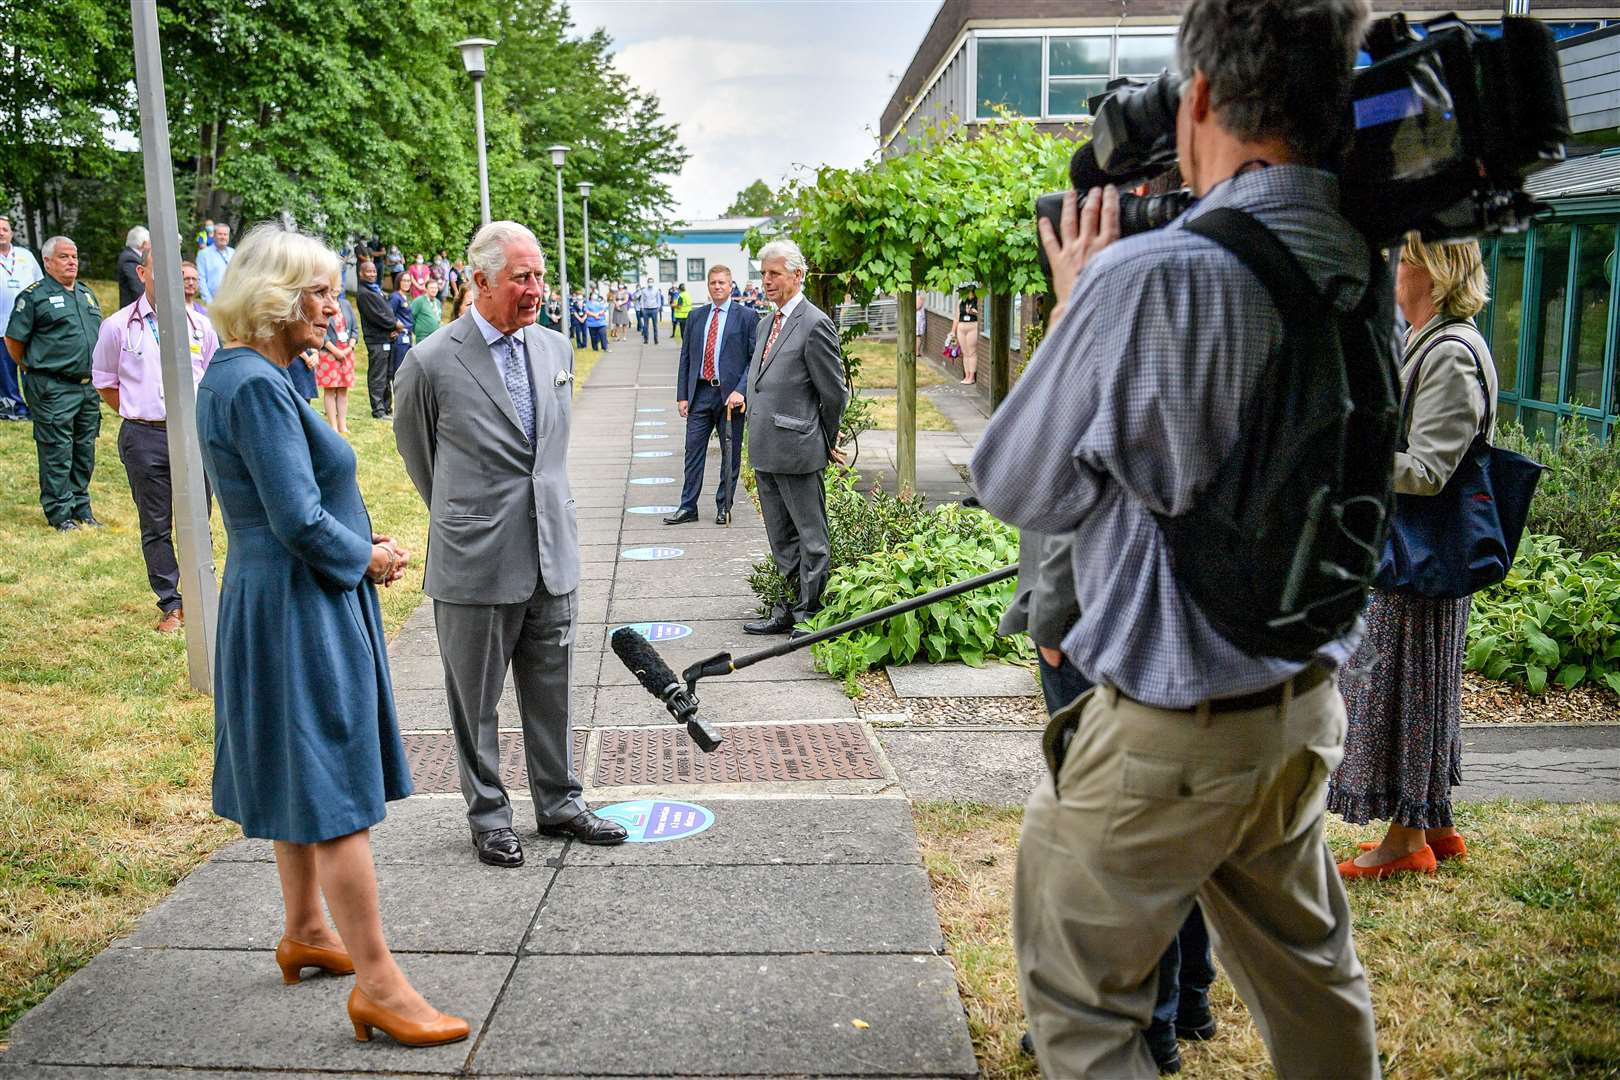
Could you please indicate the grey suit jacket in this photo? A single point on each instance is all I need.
(500, 513)
(797, 394)
(1043, 604)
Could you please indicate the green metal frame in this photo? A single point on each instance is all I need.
(1580, 214)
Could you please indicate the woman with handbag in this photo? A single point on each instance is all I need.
(1403, 688)
(966, 332)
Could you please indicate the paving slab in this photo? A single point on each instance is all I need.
(424, 832)
(787, 832)
(961, 680)
(642, 586)
(678, 655)
(998, 768)
(428, 709)
(103, 1072)
(228, 1010)
(769, 1015)
(742, 909)
(473, 908)
(685, 609)
(721, 701)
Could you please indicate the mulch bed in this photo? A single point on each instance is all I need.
(1484, 702)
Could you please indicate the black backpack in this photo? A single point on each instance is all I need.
(1279, 550)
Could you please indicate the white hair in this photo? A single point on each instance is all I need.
(137, 236)
(487, 252)
(49, 250)
(786, 250)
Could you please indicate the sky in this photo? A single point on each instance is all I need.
(759, 88)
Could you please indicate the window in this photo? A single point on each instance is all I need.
(694, 270)
(667, 269)
(1077, 69)
(1146, 55)
(1589, 328)
(1551, 285)
(1507, 299)
(1009, 75)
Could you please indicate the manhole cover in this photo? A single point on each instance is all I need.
(751, 754)
(658, 508)
(651, 410)
(652, 423)
(433, 761)
(652, 436)
(651, 480)
(653, 453)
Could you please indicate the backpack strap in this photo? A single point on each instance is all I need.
(1267, 258)
(1429, 342)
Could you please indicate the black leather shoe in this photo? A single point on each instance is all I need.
(775, 625)
(1027, 1044)
(1161, 1040)
(89, 522)
(723, 518)
(65, 526)
(499, 847)
(681, 517)
(588, 828)
(1196, 1024)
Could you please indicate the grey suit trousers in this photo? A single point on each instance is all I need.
(535, 639)
(794, 506)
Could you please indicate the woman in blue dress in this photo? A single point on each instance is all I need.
(305, 755)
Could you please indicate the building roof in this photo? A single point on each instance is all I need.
(1582, 177)
(727, 224)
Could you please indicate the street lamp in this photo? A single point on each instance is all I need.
(558, 154)
(472, 55)
(585, 197)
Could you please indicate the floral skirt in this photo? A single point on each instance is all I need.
(1403, 695)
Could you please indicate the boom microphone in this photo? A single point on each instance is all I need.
(651, 671)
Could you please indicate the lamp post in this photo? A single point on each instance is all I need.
(472, 55)
(558, 154)
(585, 197)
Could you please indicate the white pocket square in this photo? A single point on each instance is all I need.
(563, 378)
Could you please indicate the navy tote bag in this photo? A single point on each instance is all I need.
(1463, 539)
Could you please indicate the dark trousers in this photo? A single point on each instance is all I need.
(598, 338)
(577, 329)
(380, 376)
(794, 506)
(10, 388)
(1186, 970)
(144, 450)
(641, 321)
(679, 328)
(649, 324)
(706, 415)
(67, 419)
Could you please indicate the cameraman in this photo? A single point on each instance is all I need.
(1193, 771)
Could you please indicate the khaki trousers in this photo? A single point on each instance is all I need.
(1152, 809)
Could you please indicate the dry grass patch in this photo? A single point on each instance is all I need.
(879, 370)
(1506, 965)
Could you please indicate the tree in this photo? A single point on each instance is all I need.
(755, 200)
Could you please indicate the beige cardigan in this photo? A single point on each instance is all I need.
(1447, 406)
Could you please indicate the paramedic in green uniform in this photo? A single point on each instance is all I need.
(52, 331)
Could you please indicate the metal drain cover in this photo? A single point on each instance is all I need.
(433, 761)
(752, 753)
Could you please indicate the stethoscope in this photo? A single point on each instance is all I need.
(133, 343)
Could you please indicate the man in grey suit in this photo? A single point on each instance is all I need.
(482, 415)
(796, 397)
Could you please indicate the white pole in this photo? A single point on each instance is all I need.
(197, 584)
(562, 272)
(483, 163)
(586, 199)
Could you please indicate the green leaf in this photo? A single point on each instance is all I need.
(1544, 648)
(1535, 677)
(1571, 675)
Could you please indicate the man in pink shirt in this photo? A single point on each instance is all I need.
(127, 371)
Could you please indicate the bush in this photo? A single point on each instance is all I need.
(1578, 497)
(1556, 616)
(959, 544)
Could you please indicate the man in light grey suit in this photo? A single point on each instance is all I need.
(481, 419)
(797, 396)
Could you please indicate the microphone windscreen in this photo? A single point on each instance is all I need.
(642, 660)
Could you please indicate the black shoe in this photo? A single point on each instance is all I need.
(1027, 1044)
(776, 624)
(1196, 1024)
(795, 634)
(681, 517)
(65, 526)
(499, 847)
(588, 828)
(89, 522)
(723, 517)
(1161, 1040)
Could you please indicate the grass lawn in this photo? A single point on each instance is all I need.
(878, 367)
(886, 411)
(106, 755)
(1505, 965)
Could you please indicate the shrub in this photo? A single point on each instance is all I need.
(858, 415)
(1578, 497)
(1556, 616)
(962, 543)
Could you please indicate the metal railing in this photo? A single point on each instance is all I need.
(879, 315)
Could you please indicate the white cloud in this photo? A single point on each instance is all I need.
(774, 87)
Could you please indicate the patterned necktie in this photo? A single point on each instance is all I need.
(516, 374)
(708, 346)
(770, 342)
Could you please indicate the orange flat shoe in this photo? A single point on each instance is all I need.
(366, 1014)
(1420, 861)
(294, 956)
(1444, 847)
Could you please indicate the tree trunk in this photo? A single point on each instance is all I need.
(905, 370)
(1001, 331)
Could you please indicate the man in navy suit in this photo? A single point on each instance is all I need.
(715, 352)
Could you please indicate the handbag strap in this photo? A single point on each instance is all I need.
(1427, 343)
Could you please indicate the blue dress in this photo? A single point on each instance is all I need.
(306, 743)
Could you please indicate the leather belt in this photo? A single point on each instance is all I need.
(711, 382)
(1309, 679)
(159, 424)
(76, 380)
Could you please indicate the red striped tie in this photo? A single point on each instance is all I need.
(776, 328)
(708, 346)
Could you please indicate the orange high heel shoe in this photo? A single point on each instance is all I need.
(1420, 861)
(1444, 847)
(366, 1014)
(294, 956)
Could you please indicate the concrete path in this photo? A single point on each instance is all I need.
(794, 937)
